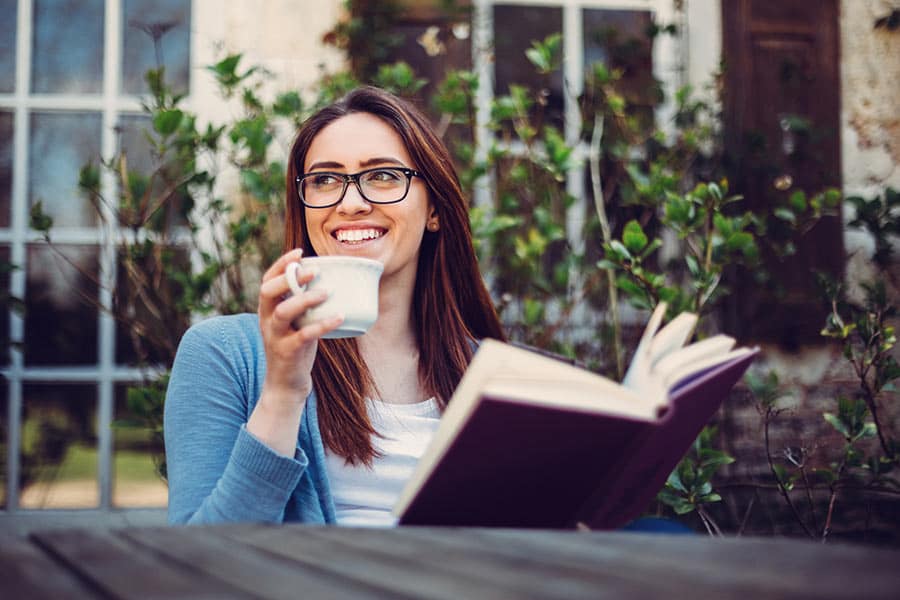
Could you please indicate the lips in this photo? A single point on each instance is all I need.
(356, 236)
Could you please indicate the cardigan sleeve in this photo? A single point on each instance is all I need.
(217, 470)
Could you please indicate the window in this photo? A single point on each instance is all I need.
(589, 28)
(71, 75)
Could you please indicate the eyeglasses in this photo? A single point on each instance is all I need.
(381, 185)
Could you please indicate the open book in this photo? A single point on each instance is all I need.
(530, 441)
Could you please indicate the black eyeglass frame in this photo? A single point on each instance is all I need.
(354, 178)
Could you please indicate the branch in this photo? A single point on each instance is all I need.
(600, 207)
(781, 487)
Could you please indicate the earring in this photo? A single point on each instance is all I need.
(433, 225)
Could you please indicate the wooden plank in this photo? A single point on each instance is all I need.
(520, 575)
(400, 576)
(27, 572)
(247, 568)
(605, 570)
(779, 567)
(122, 569)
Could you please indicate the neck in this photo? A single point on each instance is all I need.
(390, 349)
(394, 330)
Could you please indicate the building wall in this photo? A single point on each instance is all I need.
(870, 98)
(870, 115)
(283, 36)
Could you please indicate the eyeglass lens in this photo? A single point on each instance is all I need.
(375, 185)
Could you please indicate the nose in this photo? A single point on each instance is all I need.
(353, 201)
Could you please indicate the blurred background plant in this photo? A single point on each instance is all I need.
(661, 225)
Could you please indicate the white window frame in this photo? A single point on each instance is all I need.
(668, 61)
(105, 373)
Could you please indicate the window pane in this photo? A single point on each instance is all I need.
(5, 305)
(4, 440)
(515, 27)
(137, 448)
(620, 40)
(59, 446)
(61, 144)
(156, 32)
(6, 164)
(67, 48)
(60, 298)
(143, 165)
(149, 324)
(8, 46)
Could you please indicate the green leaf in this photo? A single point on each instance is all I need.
(634, 237)
(165, 122)
(798, 201)
(839, 425)
(785, 214)
(620, 250)
(40, 221)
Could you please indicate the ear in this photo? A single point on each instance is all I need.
(433, 223)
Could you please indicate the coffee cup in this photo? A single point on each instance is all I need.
(352, 287)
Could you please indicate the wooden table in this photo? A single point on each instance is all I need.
(295, 561)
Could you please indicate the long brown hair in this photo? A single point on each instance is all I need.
(451, 305)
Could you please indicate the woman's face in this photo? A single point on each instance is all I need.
(388, 233)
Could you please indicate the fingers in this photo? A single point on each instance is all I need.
(292, 308)
(314, 331)
(279, 308)
(278, 266)
(276, 287)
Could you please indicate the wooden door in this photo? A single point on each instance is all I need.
(782, 121)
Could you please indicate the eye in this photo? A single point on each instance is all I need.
(323, 180)
(384, 177)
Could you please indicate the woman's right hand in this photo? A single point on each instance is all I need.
(289, 354)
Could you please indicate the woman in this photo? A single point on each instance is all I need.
(264, 422)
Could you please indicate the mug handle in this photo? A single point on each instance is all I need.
(290, 275)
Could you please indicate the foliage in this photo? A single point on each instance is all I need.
(689, 486)
(867, 337)
(182, 248)
(663, 226)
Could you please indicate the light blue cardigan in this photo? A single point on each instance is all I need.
(218, 472)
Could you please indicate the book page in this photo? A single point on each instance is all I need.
(715, 346)
(604, 397)
(672, 337)
(639, 369)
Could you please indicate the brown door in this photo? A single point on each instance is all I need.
(782, 103)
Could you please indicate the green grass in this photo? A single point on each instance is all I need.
(128, 465)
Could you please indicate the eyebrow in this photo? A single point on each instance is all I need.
(378, 160)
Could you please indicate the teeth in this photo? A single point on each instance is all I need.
(357, 235)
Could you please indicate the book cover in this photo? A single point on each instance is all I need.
(528, 441)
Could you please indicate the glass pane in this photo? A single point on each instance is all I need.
(620, 39)
(138, 448)
(144, 169)
(133, 142)
(60, 301)
(149, 324)
(59, 446)
(6, 304)
(61, 144)
(6, 156)
(156, 32)
(8, 45)
(515, 27)
(4, 440)
(67, 48)
(6, 165)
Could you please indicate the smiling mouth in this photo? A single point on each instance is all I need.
(357, 236)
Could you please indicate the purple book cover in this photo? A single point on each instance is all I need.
(517, 465)
(644, 472)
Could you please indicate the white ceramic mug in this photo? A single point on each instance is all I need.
(352, 287)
